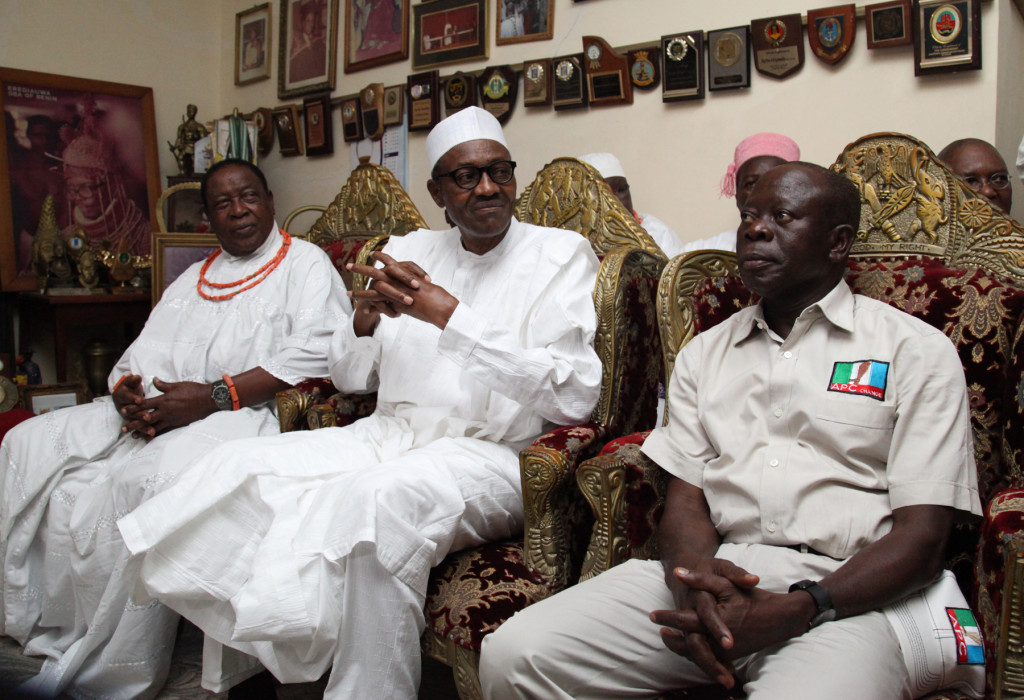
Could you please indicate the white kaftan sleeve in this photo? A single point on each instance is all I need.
(354, 361)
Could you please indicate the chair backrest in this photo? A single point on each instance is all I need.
(371, 203)
(570, 194)
(931, 246)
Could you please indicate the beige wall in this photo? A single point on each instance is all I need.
(674, 154)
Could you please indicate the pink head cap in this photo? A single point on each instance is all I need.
(764, 144)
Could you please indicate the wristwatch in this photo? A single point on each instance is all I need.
(221, 395)
(826, 612)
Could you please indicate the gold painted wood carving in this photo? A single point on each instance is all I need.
(912, 204)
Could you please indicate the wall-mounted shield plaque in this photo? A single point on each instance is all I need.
(645, 67)
(683, 56)
(947, 36)
(424, 100)
(537, 78)
(319, 136)
(608, 79)
(568, 82)
(459, 92)
(498, 88)
(351, 118)
(729, 58)
(830, 31)
(371, 100)
(394, 105)
(778, 45)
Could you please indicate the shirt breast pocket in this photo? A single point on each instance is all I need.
(857, 411)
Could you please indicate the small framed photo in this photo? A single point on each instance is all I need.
(180, 208)
(448, 31)
(376, 32)
(319, 134)
(252, 45)
(524, 20)
(888, 24)
(307, 47)
(286, 123)
(174, 252)
(43, 398)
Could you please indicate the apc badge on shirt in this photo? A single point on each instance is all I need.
(866, 377)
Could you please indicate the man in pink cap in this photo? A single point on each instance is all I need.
(754, 156)
(311, 551)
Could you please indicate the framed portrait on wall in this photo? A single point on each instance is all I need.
(252, 45)
(376, 32)
(524, 20)
(173, 253)
(448, 31)
(307, 47)
(103, 136)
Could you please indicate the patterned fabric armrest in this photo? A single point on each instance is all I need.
(293, 404)
(626, 493)
(1000, 579)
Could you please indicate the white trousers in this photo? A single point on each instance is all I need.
(595, 640)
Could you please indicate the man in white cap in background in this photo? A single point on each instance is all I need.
(312, 550)
(611, 170)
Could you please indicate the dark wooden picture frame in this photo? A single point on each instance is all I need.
(888, 24)
(174, 252)
(318, 130)
(376, 33)
(43, 398)
(124, 184)
(307, 47)
(449, 31)
(520, 21)
(252, 44)
(928, 36)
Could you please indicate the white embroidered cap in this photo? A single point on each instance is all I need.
(605, 163)
(469, 124)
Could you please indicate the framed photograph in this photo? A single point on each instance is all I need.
(319, 134)
(888, 24)
(524, 20)
(448, 31)
(376, 32)
(947, 36)
(104, 136)
(307, 48)
(286, 123)
(43, 398)
(174, 252)
(252, 45)
(180, 208)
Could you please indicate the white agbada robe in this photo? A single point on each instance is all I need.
(313, 549)
(68, 475)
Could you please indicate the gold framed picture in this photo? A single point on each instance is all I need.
(252, 45)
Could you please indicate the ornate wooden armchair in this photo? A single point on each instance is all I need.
(933, 247)
(473, 591)
(370, 206)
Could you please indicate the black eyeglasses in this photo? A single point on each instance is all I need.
(468, 176)
(998, 181)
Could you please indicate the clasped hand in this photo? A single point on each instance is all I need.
(722, 615)
(181, 403)
(399, 288)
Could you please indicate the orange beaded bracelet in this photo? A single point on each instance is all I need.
(234, 392)
(119, 382)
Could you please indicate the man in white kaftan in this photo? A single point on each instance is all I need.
(313, 550)
(68, 475)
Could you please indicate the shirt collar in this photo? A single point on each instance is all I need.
(836, 307)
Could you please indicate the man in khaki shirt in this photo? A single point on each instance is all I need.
(819, 448)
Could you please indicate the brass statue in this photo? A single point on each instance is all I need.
(184, 147)
(49, 251)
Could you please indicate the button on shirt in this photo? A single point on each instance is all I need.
(816, 438)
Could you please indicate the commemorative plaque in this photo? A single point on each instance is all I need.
(778, 44)
(729, 58)
(424, 101)
(644, 67)
(888, 24)
(683, 55)
(263, 118)
(947, 36)
(394, 103)
(319, 138)
(351, 118)
(608, 79)
(371, 100)
(568, 82)
(537, 83)
(830, 32)
(498, 87)
(286, 123)
(459, 92)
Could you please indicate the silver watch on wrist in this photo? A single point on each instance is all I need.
(221, 395)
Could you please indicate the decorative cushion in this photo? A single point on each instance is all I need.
(343, 252)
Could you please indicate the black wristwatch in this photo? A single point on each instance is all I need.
(221, 395)
(826, 612)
